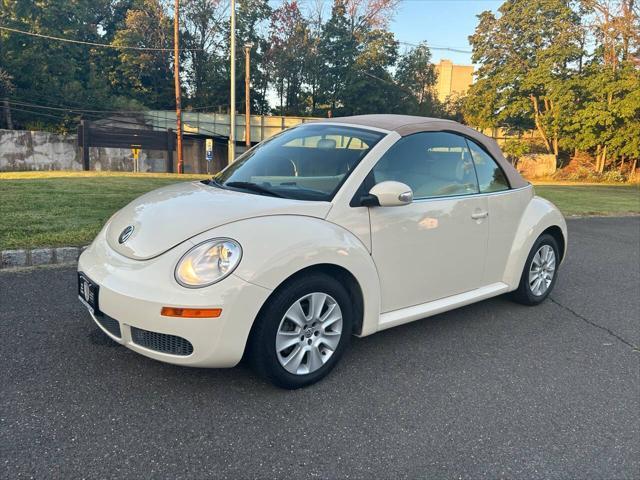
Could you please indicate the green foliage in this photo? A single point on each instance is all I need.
(527, 59)
(146, 76)
(515, 149)
(417, 77)
(560, 67)
(610, 111)
(536, 73)
(339, 50)
(288, 41)
(39, 66)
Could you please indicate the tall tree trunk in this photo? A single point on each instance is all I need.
(536, 116)
(603, 160)
(7, 113)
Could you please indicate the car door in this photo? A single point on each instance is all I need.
(435, 246)
(506, 207)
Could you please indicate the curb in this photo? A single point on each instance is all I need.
(39, 256)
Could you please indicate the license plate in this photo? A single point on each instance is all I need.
(88, 293)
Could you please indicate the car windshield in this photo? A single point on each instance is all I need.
(309, 162)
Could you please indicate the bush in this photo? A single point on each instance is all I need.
(514, 149)
(585, 174)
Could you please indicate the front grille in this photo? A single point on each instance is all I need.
(161, 342)
(111, 325)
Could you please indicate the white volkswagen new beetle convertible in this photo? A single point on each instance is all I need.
(333, 228)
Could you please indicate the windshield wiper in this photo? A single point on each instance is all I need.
(254, 187)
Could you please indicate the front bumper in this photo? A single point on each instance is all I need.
(132, 293)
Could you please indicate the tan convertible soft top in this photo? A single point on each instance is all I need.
(407, 124)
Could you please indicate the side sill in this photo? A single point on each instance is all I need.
(409, 314)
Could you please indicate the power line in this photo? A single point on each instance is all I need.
(38, 113)
(94, 116)
(93, 44)
(158, 49)
(431, 47)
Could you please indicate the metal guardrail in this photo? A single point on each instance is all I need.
(218, 124)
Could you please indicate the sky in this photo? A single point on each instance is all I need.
(442, 23)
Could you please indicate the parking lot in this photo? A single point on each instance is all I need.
(488, 391)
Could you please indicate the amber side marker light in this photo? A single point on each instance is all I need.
(191, 312)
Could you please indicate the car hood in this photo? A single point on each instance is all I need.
(166, 217)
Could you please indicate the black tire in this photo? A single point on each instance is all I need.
(524, 294)
(262, 353)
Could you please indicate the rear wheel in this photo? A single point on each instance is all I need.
(540, 272)
(303, 331)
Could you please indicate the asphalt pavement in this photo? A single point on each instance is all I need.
(492, 390)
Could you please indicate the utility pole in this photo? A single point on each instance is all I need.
(247, 100)
(232, 110)
(176, 74)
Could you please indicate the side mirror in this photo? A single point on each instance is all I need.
(389, 194)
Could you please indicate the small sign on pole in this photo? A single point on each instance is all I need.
(208, 143)
(135, 150)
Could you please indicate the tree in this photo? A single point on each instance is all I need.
(608, 118)
(314, 70)
(146, 75)
(366, 15)
(6, 89)
(417, 76)
(50, 72)
(608, 122)
(527, 57)
(250, 24)
(288, 40)
(204, 23)
(339, 50)
(371, 88)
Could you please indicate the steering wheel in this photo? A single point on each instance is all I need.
(284, 163)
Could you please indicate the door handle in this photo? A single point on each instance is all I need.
(479, 215)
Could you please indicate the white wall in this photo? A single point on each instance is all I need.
(22, 150)
(27, 150)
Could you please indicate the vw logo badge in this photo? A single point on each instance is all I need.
(126, 233)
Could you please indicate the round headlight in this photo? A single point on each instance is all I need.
(208, 262)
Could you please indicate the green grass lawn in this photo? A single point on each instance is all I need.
(594, 199)
(63, 208)
(69, 208)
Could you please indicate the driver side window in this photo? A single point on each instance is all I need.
(433, 164)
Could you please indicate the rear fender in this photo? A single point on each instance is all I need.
(539, 215)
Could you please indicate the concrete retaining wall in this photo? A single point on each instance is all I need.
(22, 150)
(26, 150)
(537, 165)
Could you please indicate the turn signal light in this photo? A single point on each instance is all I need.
(191, 312)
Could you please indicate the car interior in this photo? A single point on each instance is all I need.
(430, 172)
(315, 163)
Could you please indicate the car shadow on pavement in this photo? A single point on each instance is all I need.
(442, 342)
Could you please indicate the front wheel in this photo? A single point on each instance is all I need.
(540, 272)
(302, 332)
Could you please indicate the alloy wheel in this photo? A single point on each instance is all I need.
(309, 333)
(542, 270)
